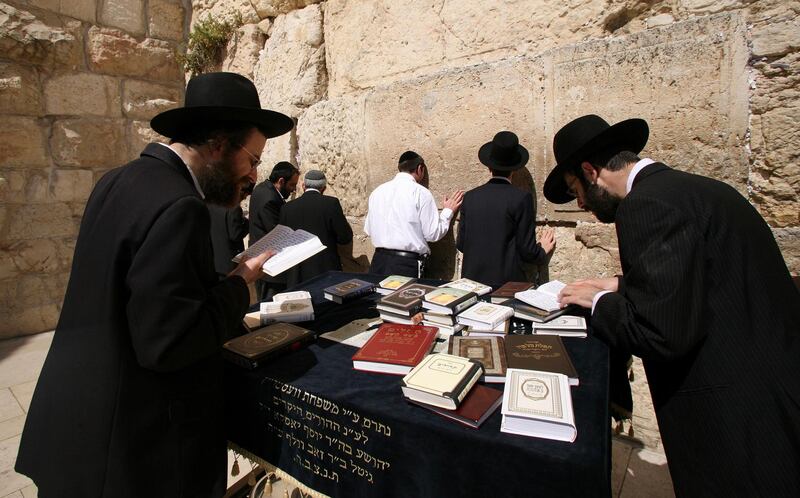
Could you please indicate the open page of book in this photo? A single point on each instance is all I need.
(291, 247)
(543, 297)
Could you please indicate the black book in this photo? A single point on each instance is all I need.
(348, 290)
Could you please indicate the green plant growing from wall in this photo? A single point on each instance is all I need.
(206, 41)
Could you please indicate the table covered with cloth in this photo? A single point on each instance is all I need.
(350, 433)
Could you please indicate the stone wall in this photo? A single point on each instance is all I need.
(79, 82)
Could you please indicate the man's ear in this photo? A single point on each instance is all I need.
(589, 172)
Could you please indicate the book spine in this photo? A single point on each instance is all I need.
(460, 391)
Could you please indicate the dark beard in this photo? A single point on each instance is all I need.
(218, 183)
(601, 202)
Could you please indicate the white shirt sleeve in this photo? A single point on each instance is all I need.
(434, 224)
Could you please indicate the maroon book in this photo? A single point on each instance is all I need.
(507, 291)
(395, 348)
(479, 404)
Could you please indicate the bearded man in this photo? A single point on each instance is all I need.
(705, 299)
(129, 401)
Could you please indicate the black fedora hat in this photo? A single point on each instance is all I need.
(221, 97)
(584, 136)
(503, 153)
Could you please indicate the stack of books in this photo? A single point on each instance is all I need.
(507, 291)
(395, 348)
(288, 307)
(348, 290)
(447, 324)
(402, 306)
(564, 325)
(392, 283)
(448, 301)
(469, 285)
(486, 319)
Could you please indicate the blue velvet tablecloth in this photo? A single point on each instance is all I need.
(350, 433)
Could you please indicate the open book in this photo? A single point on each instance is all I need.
(544, 297)
(291, 247)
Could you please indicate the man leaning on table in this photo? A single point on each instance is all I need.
(130, 401)
(705, 299)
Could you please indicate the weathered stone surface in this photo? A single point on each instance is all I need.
(140, 135)
(224, 10)
(85, 10)
(114, 52)
(34, 256)
(776, 38)
(290, 74)
(20, 92)
(127, 15)
(40, 221)
(586, 251)
(708, 6)
(18, 321)
(788, 240)
(659, 20)
(165, 19)
(81, 94)
(40, 39)
(88, 142)
(30, 303)
(143, 100)
(273, 8)
(23, 142)
(26, 186)
(241, 54)
(71, 184)
(282, 148)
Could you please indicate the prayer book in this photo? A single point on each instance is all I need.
(483, 331)
(444, 330)
(538, 404)
(540, 352)
(390, 317)
(395, 348)
(524, 311)
(405, 301)
(507, 291)
(479, 404)
(544, 297)
(392, 283)
(441, 380)
(258, 347)
(437, 318)
(564, 325)
(485, 316)
(449, 301)
(490, 351)
(468, 285)
(291, 247)
(287, 307)
(348, 290)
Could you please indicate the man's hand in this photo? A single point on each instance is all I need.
(454, 201)
(547, 239)
(579, 293)
(250, 269)
(608, 284)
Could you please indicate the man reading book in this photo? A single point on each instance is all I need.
(129, 401)
(705, 299)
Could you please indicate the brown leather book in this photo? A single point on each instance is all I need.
(543, 353)
(405, 300)
(254, 349)
(507, 291)
(479, 404)
(490, 351)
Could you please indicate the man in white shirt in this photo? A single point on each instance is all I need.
(403, 218)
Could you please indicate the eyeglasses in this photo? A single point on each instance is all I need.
(571, 190)
(255, 161)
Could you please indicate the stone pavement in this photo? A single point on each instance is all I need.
(635, 471)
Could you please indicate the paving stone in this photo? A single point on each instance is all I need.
(12, 427)
(23, 393)
(620, 455)
(10, 481)
(9, 407)
(23, 358)
(647, 475)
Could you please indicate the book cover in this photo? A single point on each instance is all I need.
(390, 317)
(446, 320)
(406, 299)
(253, 349)
(448, 300)
(544, 353)
(486, 315)
(289, 310)
(291, 247)
(480, 403)
(483, 331)
(441, 380)
(444, 330)
(395, 348)
(525, 311)
(348, 290)
(544, 297)
(469, 285)
(538, 404)
(394, 282)
(507, 291)
(490, 351)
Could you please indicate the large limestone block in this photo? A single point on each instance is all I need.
(71, 185)
(330, 138)
(788, 240)
(587, 251)
(225, 10)
(82, 94)
(111, 51)
(273, 8)
(688, 80)
(31, 303)
(39, 221)
(143, 100)
(20, 92)
(165, 19)
(33, 256)
(40, 38)
(127, 15)
(140, 135)
(290, 74)
(88, 142)
(777, 38)
(23, 142)
(282, 148)
(79, 9)
(27, 186)
(242, 51)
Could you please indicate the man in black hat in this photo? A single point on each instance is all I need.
(129, 401)
(268, 198)
(321, 215)
(497, 231)
(403, 218)
(705, 299)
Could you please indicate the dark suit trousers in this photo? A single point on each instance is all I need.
(384, 263)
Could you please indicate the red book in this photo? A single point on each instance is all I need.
(395, 348)
(479, 404)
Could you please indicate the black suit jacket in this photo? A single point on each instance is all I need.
(707, 302)
(496, 233)
(129, 401)
(228, 230)
(321, 215)
(265, 207)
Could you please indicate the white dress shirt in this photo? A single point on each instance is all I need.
(403, 216)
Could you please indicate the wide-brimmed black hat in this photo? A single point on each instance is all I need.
(585, 136)
(503, 153)
(221, 97)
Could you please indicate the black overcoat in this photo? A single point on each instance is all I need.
(229, 227)
(321, 215)
(707, 302)
(496, 233)
(265, 208)
(129, 400)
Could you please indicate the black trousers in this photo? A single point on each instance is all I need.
(386, 263)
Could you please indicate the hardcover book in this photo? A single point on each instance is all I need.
(538, 404)
(449, 301)
(348, 290)
(254, 349)
(392, 283)
(485, 315)
(468, 285)
(406, 300)
(564, 325)
(479, 404)
(545, 353)
(507, 291)
(291, 247)
(544, 297)
(444, 330)
(395, 348)
(441, 380)
(490, 351)
(525, 311)
(290, 311)
(446, 320)
(390, 317)
(483, 331)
